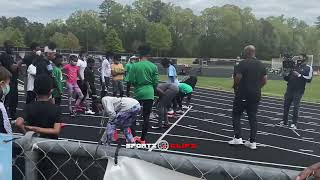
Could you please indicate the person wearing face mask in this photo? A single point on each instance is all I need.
(7, 60)
(5, 126)
(297, 80)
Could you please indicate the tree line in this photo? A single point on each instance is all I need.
(169, 30)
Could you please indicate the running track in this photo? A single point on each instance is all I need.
(208, 124)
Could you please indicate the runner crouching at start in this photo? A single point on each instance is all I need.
(122, 113)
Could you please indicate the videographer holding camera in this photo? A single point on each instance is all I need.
(299, 75)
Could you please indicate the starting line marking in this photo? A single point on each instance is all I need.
(171, 127)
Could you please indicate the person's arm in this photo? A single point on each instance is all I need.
(238, 75)
(113, 73)
(307, 75)
(313, 170)
(52, 131)
(79, 75)
(155, 77)
(20, 125)
(32, 70)
(103, 71)
(264, 78)
(131, 76)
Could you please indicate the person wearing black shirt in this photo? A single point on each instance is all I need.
(7, 61)
(251, 76)
(41, 116)
(297, 80)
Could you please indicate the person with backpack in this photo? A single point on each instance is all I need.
(297, 80)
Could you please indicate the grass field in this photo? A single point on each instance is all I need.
(274, 88)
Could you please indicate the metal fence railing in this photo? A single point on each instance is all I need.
(37, 159)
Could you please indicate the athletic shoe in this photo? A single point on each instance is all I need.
(251, 145)
(171, 115)
(282, 124)
(90, 112)
(293, 126)
(180, 111)
(170, 111)
(236, 141)
(185, 107)
(156, 127)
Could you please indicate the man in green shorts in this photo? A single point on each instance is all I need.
(144, 77)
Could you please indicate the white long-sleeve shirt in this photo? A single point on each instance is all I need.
(82, 64)
(105, 69)
(113, 105)
(31, 71)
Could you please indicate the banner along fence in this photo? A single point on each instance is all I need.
(36, 158)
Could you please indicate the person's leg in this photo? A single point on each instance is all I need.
(120, 86)
(147, 107)
(70, 93)
(13, 99)
(162, 112)
(78, 92)
(114, 88)
(128, 89)
(238, 108)
(296, 106)
(57, 100)
(84, 90)
(29, 97)
(288, 97)
(252, 109)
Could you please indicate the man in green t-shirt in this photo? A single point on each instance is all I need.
(127, 69)
(184, 90)
(57, 72)
(144, 77)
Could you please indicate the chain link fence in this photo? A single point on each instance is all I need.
(45, 159)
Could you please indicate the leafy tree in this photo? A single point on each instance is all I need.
(72, 41)
(12, 34)
(59, 39)
(112, 42)
(158, 37)
(318, 22)
(86, 25)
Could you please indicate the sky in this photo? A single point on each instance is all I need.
(47, 10)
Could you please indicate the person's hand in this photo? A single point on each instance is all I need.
(32, 128)
(313, 170)
(295, 73)
(20, 122)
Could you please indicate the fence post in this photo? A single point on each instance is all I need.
(30, 157)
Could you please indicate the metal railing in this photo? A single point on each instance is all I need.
(37, 159)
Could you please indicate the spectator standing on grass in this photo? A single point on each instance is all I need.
(251, 76)
(7, 60)
(297, 80)
(5, 125)
(122, 113)
(117, 72)
(144, 77)
(58, 78)
(166, 93)
(106, 74)
(171, 71)
(41, 116)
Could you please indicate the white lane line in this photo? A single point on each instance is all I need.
(278, 135)
(192, 126)
(259, 144)
(236, 160)
(228, 130)
(307, 138)
(312, 130)
(296, 133)
(306, 150)
(171, 127)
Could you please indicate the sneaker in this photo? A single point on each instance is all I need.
(170, 111)
(180, 111)
(251, 145)
(156, 127)
(282, 124)
(90, 112)
(236, 141)
(185, 107)
(293, 126)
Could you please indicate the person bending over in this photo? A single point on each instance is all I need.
(41, 116)
(122, 112)
(166, 93)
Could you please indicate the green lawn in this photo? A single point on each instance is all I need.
(274, 88)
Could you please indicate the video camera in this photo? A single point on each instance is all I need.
(288, 64)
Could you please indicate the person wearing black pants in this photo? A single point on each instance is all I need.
(297, 80)
(250, 77)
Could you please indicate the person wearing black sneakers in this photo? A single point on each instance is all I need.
(251, 76)
(297, 80)
(166, 92)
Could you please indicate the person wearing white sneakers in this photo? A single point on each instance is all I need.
(251, 76)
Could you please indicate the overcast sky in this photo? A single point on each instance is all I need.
(46, 10)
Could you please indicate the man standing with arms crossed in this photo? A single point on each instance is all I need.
(144, 77)
(105, 74)
(250, 77)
